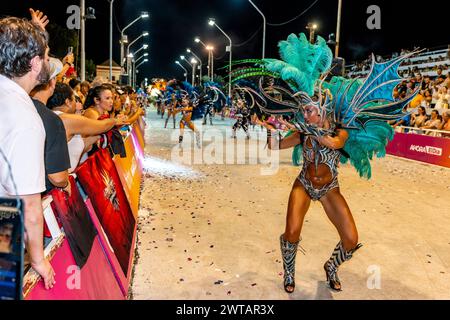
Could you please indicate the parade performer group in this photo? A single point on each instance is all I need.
(191, 102)
(332, 120)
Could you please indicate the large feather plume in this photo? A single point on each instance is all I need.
(303, 62)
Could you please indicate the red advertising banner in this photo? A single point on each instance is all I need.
(93, 257)
(434, 150)
(72, 212)
(130, 171)
(138, 132)
(123, 279)
(100, 180)
(95, 281)
(82, 269)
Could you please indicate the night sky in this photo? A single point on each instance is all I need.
(173, 24)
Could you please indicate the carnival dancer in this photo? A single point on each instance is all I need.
(187, 109)
(339, 121)
(165, 102)
(242, 118)
(209, 111)
(172, 110)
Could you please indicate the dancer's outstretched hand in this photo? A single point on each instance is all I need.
(287, 124)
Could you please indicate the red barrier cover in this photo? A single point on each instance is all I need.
(95, 281)
(94, 259)
(81, 266)
(98, 177)
(434, 150)
(130, 171)
(74, 216)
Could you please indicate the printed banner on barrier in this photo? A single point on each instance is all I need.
(434, 150)
(100, 180)
(82, 270)
(138, 131)
(130, 170)
(95, 281)
(74, 216)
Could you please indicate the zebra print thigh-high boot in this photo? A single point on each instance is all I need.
(288, 252)
(338, 257)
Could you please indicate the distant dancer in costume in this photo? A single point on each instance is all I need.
(186, 121)
(242, 118)
(172, 109)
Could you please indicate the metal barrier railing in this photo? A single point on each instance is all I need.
(428, 132)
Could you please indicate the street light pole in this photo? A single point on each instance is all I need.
(200, 62)
(136, 60)
(83, 39)
(197, 39)
(111, 5)
(209, 65)
(141, 57)
(140, 64)
(338, 30)
(136, 70)
(144, 47)
(211, 53)
(312, 28)
(185, 70)
(133, 73)
(129, 72)
(144, 34)
(264, 29)
(212, 22)
(192, 66)
(143, 15)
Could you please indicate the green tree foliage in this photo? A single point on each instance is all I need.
(61, 39)
(90, 69)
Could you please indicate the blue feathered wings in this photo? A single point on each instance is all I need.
(361, 106)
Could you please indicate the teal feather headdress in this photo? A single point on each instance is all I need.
(360, 105)
(302, 62)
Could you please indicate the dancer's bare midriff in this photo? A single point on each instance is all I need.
(319, 176)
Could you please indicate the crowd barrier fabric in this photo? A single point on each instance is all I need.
(434, 150)
(130, 171)
(101, 182)
(81, 266)
(93, 253)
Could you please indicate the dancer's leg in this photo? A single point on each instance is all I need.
(245, 127)
(191, 126)
(167, 119)
(339, 213)
(298, 205)
(235, 127)
(180, 139)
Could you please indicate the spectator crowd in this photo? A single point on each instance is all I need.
(432, 64)
(51, 122)
(429, 110)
